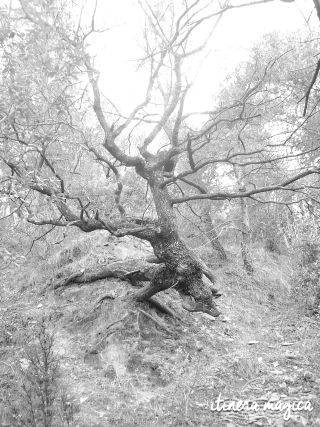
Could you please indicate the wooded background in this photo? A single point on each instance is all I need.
(232, 188)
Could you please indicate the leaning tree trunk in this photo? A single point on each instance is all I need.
(175, 266)
(181, 269)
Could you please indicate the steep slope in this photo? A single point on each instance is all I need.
(143, 367)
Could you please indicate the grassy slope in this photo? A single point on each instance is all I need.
(137, 373)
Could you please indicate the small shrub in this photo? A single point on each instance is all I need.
(32, 390)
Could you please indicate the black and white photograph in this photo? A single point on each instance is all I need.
(159, 213)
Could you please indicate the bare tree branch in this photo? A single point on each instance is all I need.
(229, 196)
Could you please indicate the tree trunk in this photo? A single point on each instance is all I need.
(206, 221)
(212, 236)
(181, 269)
(245, 232)
(245, 226)
(177, 266)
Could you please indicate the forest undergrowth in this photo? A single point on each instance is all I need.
(149, 368)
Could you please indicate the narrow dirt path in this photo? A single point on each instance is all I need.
(274, 365)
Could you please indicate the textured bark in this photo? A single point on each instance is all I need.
(178, 267)
(181, 268)
(137, 273)
(132, 270)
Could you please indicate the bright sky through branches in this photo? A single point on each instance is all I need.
(118, 48)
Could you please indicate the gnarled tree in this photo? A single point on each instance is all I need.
(45, 118)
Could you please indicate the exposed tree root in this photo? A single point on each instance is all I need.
(153, 301)
(151, 278)
(102, 299)
(131, 270)
(68, 280)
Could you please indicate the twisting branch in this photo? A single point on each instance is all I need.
(109, 132)
(152, 79)
(178, 121)
(114, 169)
(313, 80)
(168, 110)
(51, 167)
(39, 238)
(190, 154)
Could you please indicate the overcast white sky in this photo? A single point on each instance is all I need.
(118, 48)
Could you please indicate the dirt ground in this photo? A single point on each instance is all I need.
(150, 369)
